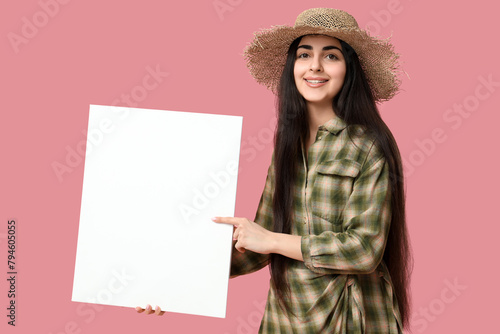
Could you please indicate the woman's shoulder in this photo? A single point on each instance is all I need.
(359, 145)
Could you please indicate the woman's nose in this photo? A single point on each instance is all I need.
(315, 64)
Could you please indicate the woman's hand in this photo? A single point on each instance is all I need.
(249, 235)
(149, 310)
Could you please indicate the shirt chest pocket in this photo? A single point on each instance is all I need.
(333, 185)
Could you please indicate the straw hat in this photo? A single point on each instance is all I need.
(266, 55)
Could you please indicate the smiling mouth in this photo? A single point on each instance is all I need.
(316, 81)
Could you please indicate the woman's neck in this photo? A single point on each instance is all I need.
(318, 115)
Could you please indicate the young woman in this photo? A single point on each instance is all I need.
(331, 219)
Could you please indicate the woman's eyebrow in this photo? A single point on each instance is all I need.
(326, 48)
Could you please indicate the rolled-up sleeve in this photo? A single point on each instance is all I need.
(366, 222)
(248, 262)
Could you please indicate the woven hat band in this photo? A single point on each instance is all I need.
(326, 18)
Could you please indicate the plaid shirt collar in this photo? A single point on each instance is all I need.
(334, 125)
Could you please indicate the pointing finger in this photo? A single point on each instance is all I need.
(225, 220)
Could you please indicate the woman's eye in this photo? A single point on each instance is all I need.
(330, 56)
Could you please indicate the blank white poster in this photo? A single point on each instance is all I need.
(152, 181)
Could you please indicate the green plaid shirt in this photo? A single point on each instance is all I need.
(342, 211)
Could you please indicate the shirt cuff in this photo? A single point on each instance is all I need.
(305, 247)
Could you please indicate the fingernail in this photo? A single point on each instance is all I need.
(214, 218)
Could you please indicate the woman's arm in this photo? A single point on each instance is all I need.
(247, 262)
(359, 249)
(366, 223)
(253, 237)
(288, 245)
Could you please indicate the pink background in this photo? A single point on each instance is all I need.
(92, 52)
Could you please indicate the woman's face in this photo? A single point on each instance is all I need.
(319, 69)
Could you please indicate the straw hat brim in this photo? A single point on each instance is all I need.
(266, 56)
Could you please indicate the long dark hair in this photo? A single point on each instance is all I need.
(355, 105)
